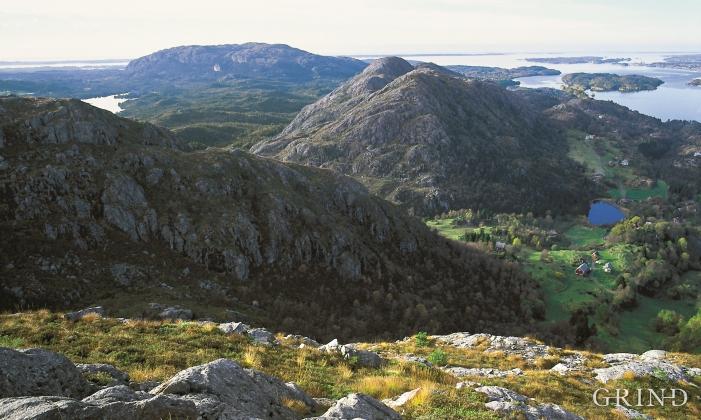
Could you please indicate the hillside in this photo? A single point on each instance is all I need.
(99, 209)
(430, 141)
(107, 368)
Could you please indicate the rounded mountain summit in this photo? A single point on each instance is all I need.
(431, 140)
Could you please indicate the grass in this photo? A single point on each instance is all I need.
(445, 227)
(150, 350)
(585, 236)
(661, 190)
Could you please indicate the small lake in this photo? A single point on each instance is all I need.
(602, 213)
(110, 103)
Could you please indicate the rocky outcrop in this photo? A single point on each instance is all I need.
(359, 406)
(519, 346)
(652, 363)
(509, 403)
(35, 372)
(223, 389)
(362, 358)
(482, 372)
(97, 311)
(401, 400)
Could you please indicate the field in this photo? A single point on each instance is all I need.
(661, 190)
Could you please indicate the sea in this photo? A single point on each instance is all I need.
(675, 99)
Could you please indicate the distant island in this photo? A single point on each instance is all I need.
(695, 82)
(684, 62)
(607, 82)
(579, 60)
(498, 73)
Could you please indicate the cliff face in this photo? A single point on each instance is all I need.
(98, 208)
(430, 140)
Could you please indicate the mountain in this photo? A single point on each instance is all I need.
(98, 209)
(431, 141)
(250, 60)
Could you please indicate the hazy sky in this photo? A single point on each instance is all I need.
(62, 29)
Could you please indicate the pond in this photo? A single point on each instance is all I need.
(602, 213)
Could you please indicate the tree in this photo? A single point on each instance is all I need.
(516, 242)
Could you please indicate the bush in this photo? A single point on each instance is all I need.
(438, 357)
(421, 339)
(668, 322)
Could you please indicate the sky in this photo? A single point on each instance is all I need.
(102, 29)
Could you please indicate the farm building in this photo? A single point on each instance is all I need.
(608, 267)
(583, 270)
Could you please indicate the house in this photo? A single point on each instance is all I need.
(500, 246)
(583, 270)
(625, 162)
(697, 154)
(595, 256)
(589, 137)
(608, 267)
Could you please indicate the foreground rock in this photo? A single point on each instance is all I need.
(35, 372)
(509, 403)
(362, 358)
(97, 311)
(482, 372)
(114, 406)
(652, 363)
(519, 346)
(223, 389)
(359, 406)
(401, 400)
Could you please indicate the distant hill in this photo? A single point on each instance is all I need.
(250, 60)
(606, 82)
(98, 209)
(431, 141)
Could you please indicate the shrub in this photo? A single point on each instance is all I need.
(421, 339)
(438, 357)
(668, 322)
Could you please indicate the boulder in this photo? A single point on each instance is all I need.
(78, 315)
(233, 328)
(360, 406)
(118, 377)
(331, 347)
(225, 388)
(170, 312)
(412, 358)
(126, 274)
(262, 336)
(402, 399)
(362, 358)
(35, 372)
(629, 413)
(117, 406)
(568, 364)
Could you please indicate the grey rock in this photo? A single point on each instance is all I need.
(3, 164)
(415, 359)
(629, 413)
(117, 393)
(519, 346)
(78, 315)
(497, 393)
(401, 400)
(47, 408)
(302, 340)
(234, 328)
(262, 336)
(360, 406)
(482, 372)
(125, 207)
(331, 347)
(35, 372)
(171, 312)
(568, 364)
(242, 393)
(644, 365)
(126, 274)
(362, 358)
(118, 377)
(654, 355)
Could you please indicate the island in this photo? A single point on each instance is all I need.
(579, 60)
(608, 82)
(499, 73)
(683, 62)
(695, 82)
